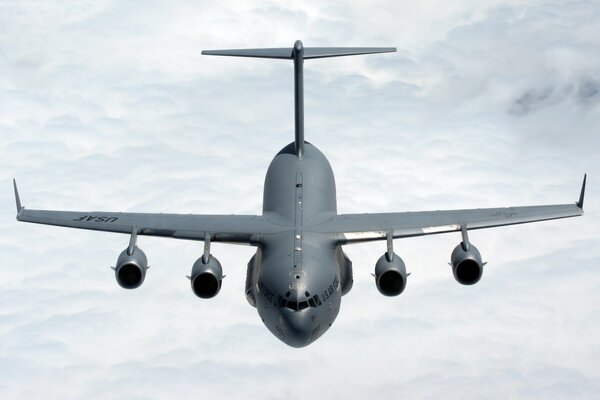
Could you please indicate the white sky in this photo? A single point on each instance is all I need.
(108, 105)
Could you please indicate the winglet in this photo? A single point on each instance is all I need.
(582, 194)
(17, 198)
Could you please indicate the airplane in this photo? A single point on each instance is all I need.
(299, 273)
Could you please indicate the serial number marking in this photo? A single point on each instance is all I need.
(331, 289)
(262, 288)
(92, 218)
(504, 214)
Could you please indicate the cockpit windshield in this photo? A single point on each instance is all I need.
(295, 305)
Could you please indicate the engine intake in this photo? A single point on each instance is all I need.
(467, 266)
(390, 276)
(206, 278)
(130, 270)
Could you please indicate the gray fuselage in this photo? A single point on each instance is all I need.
(299, 273)
(297, 277)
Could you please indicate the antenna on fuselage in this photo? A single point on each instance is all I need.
(299, 53)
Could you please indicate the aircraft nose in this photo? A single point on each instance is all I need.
(297, 327)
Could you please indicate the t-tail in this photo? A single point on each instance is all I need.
(299, 53)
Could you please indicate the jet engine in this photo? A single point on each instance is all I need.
(130, 269)
(390, 275)
(206, 277)
(467, 266)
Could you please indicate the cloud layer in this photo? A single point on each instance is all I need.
(109, 106)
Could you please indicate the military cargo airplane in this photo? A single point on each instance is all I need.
(299, 272)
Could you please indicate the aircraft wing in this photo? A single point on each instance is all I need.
(353, 228)
(242, 229)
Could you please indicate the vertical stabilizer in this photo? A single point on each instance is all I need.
(298, 54)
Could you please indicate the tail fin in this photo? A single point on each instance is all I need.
(299, 53)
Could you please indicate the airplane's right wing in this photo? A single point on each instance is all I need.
(242, 229)
(353, 228)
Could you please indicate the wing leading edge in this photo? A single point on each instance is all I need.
(241, 229)
(347, 228)
(355, 228)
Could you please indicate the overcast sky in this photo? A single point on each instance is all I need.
(108, 105)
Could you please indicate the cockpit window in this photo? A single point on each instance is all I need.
(299, 305)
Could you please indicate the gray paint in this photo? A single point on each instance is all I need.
(299, 234)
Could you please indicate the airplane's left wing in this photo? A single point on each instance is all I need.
(354, 228)
(242, 229)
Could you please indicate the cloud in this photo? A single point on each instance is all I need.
(109, 106)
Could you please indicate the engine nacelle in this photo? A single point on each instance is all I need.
(390, 276)
(206, 278)
(130, 269)
(467, 266)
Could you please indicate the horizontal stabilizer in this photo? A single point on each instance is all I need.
(298, 53)
(281, 52)
(286, 53)
(322, 52)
